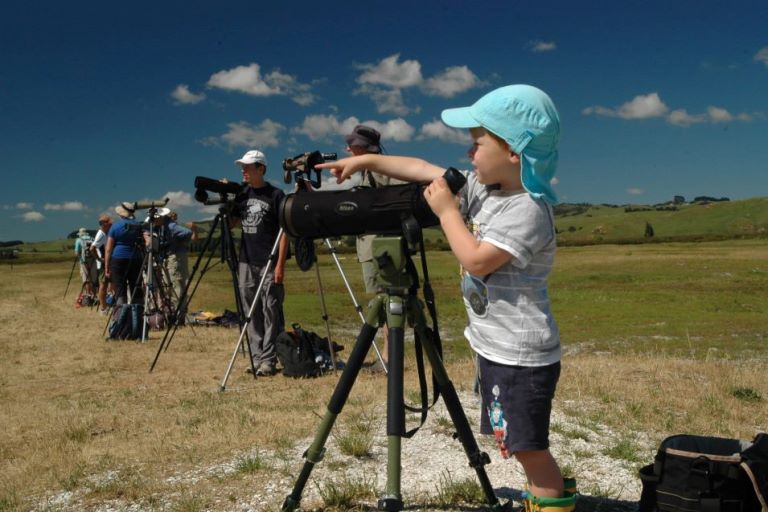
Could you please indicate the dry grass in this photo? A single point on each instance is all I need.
(81, 414)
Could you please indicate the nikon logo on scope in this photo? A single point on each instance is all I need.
(346, 208)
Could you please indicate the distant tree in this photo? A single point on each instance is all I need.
(648, 230)
(678, 200)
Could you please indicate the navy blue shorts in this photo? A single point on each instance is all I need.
(517, 403)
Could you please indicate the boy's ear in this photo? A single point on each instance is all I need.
(514, 157)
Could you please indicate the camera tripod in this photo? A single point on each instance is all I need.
(228, 255)
(156, 280)
(399, 305)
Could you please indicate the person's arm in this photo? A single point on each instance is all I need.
(477, 257)
(108, 255)
(398, 167)
(282, 253)
(193, 228)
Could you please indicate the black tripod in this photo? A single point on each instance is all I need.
(400, 306)
(226, 243)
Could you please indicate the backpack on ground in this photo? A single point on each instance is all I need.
(126, 323)
(709, 474)
(296, 354)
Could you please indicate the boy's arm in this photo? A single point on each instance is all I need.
(399, 167)
(477, 257)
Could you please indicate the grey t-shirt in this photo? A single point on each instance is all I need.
(510, 321)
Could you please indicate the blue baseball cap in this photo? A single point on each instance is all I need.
(527, 120)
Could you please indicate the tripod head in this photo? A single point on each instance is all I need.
(302, 165)
(392, 257)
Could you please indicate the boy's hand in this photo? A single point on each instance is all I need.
(344, 168)
(440, 198)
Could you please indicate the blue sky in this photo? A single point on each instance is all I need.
(107, 102)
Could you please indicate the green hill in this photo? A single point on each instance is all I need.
(576, 224)
(587, 224)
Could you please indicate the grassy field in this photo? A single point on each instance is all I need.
(659, 339)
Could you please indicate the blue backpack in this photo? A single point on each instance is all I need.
(126, 322)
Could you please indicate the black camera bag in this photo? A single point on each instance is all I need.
(708, 474)
(296, 354)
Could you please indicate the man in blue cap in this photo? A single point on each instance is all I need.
(502, 232)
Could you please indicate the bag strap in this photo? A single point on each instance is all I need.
(755, 465)
(649, 478)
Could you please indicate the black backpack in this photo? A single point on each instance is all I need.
(126, 323)
(296, 354)
(708, 474)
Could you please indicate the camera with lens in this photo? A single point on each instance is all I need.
(360, 210)
(204, 185)
(304, 164)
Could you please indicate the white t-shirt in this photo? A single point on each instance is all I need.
(510, 321)
(98, 241)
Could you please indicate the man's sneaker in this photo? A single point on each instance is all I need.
(266, 370)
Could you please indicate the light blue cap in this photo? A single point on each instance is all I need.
(527, 120)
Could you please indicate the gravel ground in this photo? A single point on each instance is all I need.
(429, 460)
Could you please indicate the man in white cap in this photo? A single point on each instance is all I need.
(88, 270)
(257, 207)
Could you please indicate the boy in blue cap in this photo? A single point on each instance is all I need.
(502, 232)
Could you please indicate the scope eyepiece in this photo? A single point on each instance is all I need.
(455, 179)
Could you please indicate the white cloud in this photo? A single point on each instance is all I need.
(634, 191)
(391, 73)
(385, 80)
(438, 130)
(719, 115)
(32, 217)
(681, 117)
(542, 46)
(386, 100)
(643, 106)
(325, 127)
(651, 105)
(762, 55)
(183, 96)
(245, 79)
(249, 80)
(450, 82)
(177, 199)
(69, 206)
(243, 134)
(24, 206)
(397, 130)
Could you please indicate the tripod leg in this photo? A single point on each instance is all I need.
(392, 499)
(171, 329)
(477, 458)
(325, 317)
(316, 450)
(358, 307)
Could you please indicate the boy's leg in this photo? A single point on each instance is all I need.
(543, 473)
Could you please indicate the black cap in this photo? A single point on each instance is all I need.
(365, 137)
